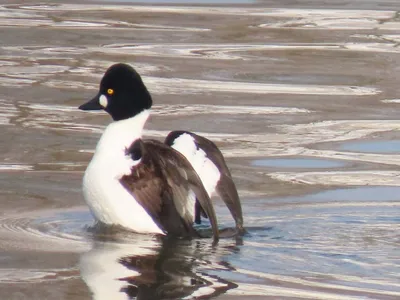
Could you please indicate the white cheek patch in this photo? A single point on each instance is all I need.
(103, 101)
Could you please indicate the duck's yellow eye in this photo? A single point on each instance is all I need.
(110, 91)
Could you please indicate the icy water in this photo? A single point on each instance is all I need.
(302, 97)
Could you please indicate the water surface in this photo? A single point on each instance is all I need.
(372, 146)
(302, 99)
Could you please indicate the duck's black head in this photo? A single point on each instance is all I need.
(122, 93)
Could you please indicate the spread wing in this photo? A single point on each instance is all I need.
(147, 188)
(182, 178)
(161, 183)
(226, 188)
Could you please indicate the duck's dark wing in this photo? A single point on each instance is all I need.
(161, 183)
(226, 188)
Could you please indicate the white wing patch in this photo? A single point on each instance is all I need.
(205, 168)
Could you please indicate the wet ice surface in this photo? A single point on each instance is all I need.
(300, 162)
(372, 146)
(302, 99)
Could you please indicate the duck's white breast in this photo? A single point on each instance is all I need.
(111, 203)
(107, 199)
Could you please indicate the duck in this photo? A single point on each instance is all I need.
(143, 185)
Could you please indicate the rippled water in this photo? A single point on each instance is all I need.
(301, 97)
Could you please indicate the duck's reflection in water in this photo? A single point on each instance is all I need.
(148, 267)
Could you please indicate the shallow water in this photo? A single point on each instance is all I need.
(302, 99)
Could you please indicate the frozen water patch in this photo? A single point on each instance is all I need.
(37, 16)
(7, 112)
(324, 19)
(298, 162)
(390, 101)
(345, 178)
(177, 109)
(384, 146)
(297, 139)
(190, 86)
(15, 167)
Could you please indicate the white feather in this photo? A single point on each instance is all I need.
(107, 199)
(205, 168)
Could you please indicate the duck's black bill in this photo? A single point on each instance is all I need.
(93, 104)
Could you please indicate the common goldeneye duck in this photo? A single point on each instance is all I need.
(210, 165)
(142, 185)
